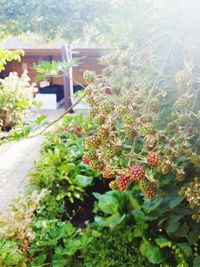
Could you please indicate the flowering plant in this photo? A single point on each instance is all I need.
(16, 99)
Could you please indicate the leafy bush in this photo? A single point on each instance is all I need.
(60, 169)
(15, 231)
(16, 100)
(161, 227)
(120, 228)
(113, 248)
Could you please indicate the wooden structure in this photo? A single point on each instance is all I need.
(36, 55)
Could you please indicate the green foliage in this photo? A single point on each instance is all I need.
(54, 242)
(10, 254)
(126, 230)
(8, 56)
(15, 230)
(54, 68)
(113, 248)
(60, 169)
(67, 19)
(161, 227)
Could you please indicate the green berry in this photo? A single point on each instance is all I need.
(90, 100)
(121, 110)
(99, 120)
(147, 130)
(126, 100)
(89, 76)
(92, 142)
(182, 103)
(93, 112)
(105, 60)
(90, 155)
(155, 104)
(128, 119)
(106, 107)
(96, 165)
(113, 185)
(102, 134)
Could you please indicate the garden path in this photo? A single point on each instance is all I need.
(17, 160)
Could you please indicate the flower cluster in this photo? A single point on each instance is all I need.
(16, 99)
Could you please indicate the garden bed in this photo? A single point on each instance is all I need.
(76, 221)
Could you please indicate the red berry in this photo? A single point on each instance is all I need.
(122, 182)
(136, 172)
(154, 159)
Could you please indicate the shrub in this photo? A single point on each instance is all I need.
(61, 171)
(16, 100)
(15, 232)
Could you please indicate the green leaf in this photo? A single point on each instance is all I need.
(162, 242)
(173, 223)
(111, 221)
(39, 260)
(185, 248)
(139, 230)
(175, 202)
(69, 229)
(152, 253)
(193, 236)
(150, 205)
(182, 230)
(139, 216)
(71, 246)
(108, 204)
(135, 204)
(196, 262)
(83, 180)
(40, 119)
(97, 196)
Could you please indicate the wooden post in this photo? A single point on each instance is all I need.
(67, 80)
